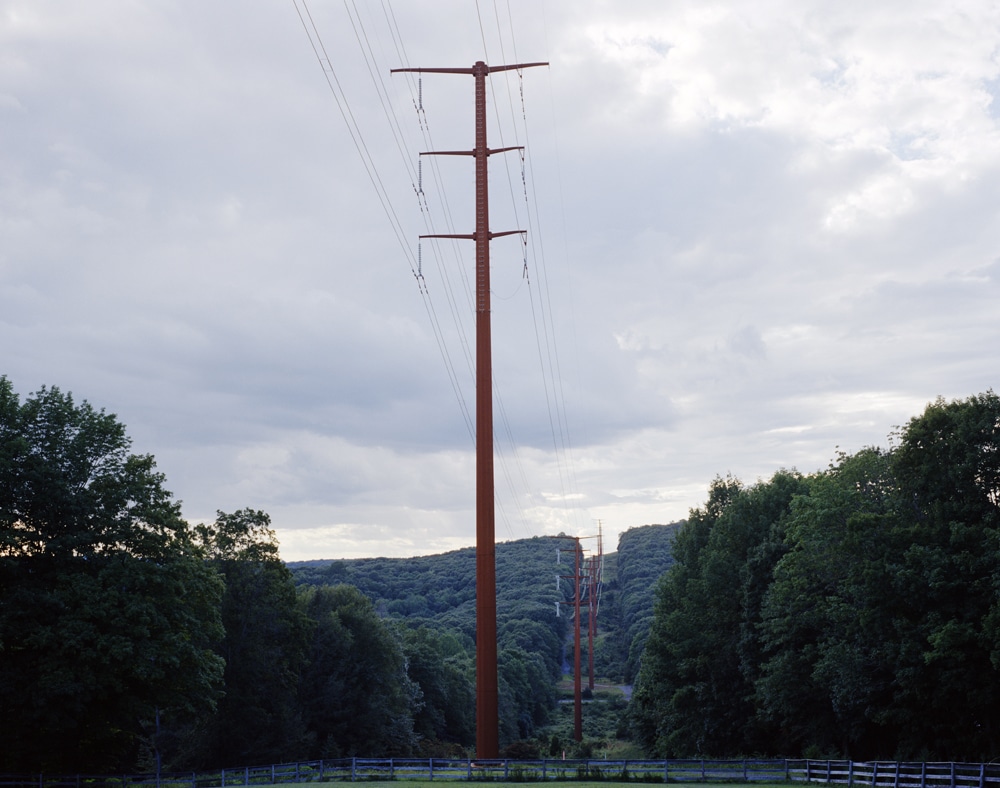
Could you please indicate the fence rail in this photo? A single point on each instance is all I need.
(893, 774)
(863, 774)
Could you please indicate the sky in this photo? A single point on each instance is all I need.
(757, 235)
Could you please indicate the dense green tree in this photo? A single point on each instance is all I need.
(445, 675)
(828, 618)
(948, 468)
(853, 612)
(107, 609)
(880, 621)
(526, 693)
(694, 693)
(668, 680)
(258, 720)
(355, 692)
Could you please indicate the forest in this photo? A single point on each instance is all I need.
(854, 611)
(133, 640)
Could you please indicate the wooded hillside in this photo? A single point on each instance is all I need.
(438, 594)
(439, 591)
(630, 577)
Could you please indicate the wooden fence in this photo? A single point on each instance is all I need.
(880, 774)
(893, 774)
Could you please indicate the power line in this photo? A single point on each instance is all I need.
(357, 137)
(367, 39)
(319, 50)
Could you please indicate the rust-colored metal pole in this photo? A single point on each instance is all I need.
(591, 617)
(487, 724)
(487, 712)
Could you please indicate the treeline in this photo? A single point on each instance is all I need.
(853, 612)
(131, 640)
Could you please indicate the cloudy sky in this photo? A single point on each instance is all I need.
(757, 232)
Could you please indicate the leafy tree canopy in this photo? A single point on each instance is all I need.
(264, 645)
(853, 612)
(357, 696)
(107, 610)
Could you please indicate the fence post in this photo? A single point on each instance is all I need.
(874, 773)
(850, 773)
(223, 779)
(430, 767)
(923, 774)
(470, 768)
(666, 769)
(982, 775)
(828, 772)
(703, 770)
(952, 774)
(352, 768)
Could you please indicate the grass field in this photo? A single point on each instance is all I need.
(570, 783)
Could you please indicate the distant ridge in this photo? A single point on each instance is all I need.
(439, 591)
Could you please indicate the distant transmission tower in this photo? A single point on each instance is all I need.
(587, 577)
(487, 717)
(594, 578)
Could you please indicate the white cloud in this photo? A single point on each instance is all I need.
(756, 234)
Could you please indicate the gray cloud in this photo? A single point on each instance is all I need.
(752, 238)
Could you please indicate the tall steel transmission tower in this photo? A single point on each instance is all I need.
(487, 717)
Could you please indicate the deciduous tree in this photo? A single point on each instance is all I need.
(356, 695)
(264, 646)
(107, 609)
